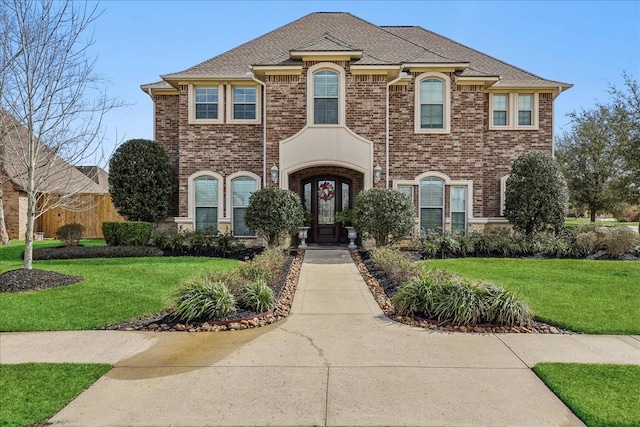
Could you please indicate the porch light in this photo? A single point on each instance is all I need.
(274, 174)
(377, 174)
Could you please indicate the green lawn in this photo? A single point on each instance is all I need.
(601, 395)
(579, 221)
(114, 290)
(596, 297)
(33, 392)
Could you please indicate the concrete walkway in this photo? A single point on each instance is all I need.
(336, 361)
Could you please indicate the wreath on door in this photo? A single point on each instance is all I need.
(326, 191)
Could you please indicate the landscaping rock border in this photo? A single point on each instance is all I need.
(282, 309)
(386, 305)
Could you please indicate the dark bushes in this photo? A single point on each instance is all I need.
(132, 233)
(78, 252)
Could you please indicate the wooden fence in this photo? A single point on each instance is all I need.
(101, 210)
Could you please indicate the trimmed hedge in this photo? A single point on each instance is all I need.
(79, 252)
(132, 233)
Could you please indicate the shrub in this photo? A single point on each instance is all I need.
(384, 214)
(258, 296)
(228, 244)
(140, 180)
(79, 252)
(266, 266)
(199, 299)
(398, 265)
(621, 240)
(274, 211)
(133, 233)
(587, 242)
(70, 234)
(536, 195)
(450, 298)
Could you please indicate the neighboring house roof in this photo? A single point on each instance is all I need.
(97, 175)
(338, 31)
(53, 175)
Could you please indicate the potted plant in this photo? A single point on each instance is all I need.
(304, 230)
(345, 217)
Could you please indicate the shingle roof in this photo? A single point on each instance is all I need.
(338, 31)
(52, 174)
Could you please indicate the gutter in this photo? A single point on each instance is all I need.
(387, 137)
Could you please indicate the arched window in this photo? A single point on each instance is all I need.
(432, 204)
(433, 103)
(325, 97)
(242, 188)
(206, 202)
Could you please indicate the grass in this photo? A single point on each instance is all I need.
(114, 290)
(595, 297)
(601, 395)
(33, 392)
(580, 221)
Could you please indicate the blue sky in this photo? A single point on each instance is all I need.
(587, 43)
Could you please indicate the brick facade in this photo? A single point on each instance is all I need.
(15, 212)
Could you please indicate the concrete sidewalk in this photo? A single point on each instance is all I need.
(336, 361)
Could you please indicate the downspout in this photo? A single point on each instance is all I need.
(154, 112)
(386, 168)
(553, 137)
(264, 127)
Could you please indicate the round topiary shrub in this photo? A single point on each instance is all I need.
(140, 180)
(274, 211)
(70, 234)
(385, 215)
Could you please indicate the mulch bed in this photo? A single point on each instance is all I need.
(34, 280)
(383, 288)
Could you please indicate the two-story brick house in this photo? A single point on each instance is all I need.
(329, 105)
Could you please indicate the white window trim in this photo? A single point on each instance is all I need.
(512, 111)
(466, 205)
(191, 101)
(503, 189)
(341, 93)
(229, 194)
(447, 103)
(191, 203)
(229, 104)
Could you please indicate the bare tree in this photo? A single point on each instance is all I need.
(52, 99)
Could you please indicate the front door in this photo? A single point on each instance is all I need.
(324, 197)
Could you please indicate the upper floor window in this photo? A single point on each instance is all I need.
(513, 111)
(244, 103)
(206, 101)
(432, 204)
(433, 103)
(325, 97)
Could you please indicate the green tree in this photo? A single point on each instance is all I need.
(626, 104)
(590, 160)
(140, 180)
(536, 196)
(274, 211)
(384, 214)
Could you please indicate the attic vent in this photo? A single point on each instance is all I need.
(470, 88)
(546, 96)
(370, 78)
(399, 88)
(283, 79)
(343, 64)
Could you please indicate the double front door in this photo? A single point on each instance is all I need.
(323, 197)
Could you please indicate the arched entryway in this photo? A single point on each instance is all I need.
(325, 191)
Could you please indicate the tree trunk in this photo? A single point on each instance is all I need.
(4, 237)
(593, 215)
(28, 235)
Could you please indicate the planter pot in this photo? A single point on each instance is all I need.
(302, 235)
(352, 235)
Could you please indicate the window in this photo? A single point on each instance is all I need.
(513, 111)
(206, 102)
(325, 97)
(206, 202)
(244, 103)
(433, 103)
(406, 189)
(458, 208)
(525, 110)
(241, 189)
(500, 109)
(432, 204)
